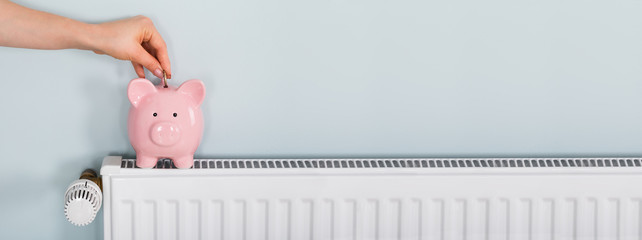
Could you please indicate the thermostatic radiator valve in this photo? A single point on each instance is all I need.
(84, 198)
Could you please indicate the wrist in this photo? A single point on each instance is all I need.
(89, 37)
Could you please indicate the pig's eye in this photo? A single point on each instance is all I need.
(155, 114)
(175, 114)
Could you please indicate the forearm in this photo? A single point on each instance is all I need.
(27, 28)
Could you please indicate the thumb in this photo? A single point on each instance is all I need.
(141, 56)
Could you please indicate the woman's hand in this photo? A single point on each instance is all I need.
(134, 39)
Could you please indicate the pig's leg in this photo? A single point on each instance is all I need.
(143, 161)
(184, 161)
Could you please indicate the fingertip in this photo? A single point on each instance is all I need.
(158, 73)
(164, 62)
(166, 69)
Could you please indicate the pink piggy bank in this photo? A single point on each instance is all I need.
(165, 122)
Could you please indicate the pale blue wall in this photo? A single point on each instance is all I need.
(365, 78)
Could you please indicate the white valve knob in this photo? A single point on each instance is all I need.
(83, 199)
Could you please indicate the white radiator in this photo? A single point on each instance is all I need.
(448, 199)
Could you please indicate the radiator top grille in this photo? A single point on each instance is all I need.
(400, 163)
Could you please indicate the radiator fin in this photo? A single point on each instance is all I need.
(214, 220)
(170, 220)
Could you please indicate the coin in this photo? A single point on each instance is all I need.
(164, 79)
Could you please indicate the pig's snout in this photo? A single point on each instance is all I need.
(165, 133)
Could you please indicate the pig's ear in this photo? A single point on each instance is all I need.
(139, 88)
(195, 89)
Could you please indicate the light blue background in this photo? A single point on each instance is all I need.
(355, 78)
